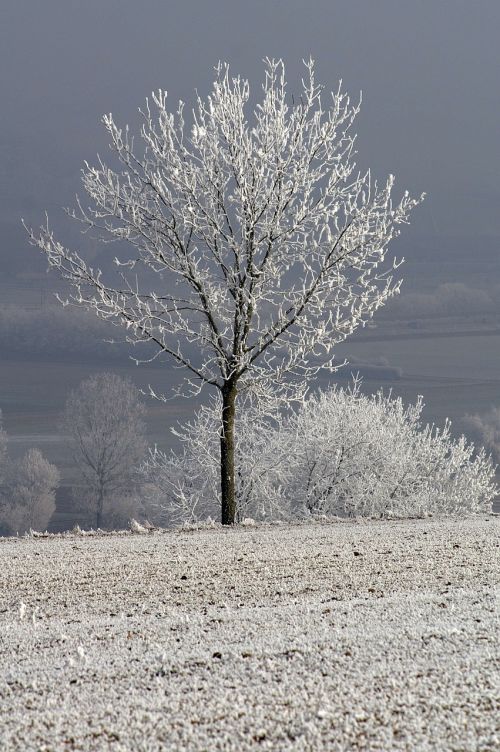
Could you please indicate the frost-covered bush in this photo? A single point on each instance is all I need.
(357, 454)
(28, 498)
(340, 453)
(186, 485)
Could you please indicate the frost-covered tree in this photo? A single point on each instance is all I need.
(27, 490)
(3, 451)
(255, 245)
(183, 486)
(340, 453)
(104, 419)
(485, 429)
(29, 496)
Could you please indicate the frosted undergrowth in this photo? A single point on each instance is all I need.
(340, 453)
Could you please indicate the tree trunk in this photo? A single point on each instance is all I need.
(228, 489)
(99, 506)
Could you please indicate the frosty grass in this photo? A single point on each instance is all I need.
(368, 635)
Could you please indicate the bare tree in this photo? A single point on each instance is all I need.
(267, 246)
(103, 418)
(3, 451)
(29, 501)
(4, 527)
(182, 486)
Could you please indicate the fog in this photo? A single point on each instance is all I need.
(428, 72)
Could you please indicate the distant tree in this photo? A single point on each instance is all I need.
(485, 429)
(29, 497)
(267, 246)
(3, 451)
(104, 419)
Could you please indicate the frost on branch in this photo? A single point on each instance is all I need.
(266, 245)
(271, 241)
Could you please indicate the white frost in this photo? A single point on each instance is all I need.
(354, 635)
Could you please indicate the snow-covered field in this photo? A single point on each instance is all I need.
(373, 635)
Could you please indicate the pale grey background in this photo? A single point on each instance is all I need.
(428, 70)
(429, 73)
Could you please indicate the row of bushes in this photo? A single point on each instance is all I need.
(340, 453)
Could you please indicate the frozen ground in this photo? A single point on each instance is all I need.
(345, 636)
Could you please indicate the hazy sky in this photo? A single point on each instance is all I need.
(429, 72)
